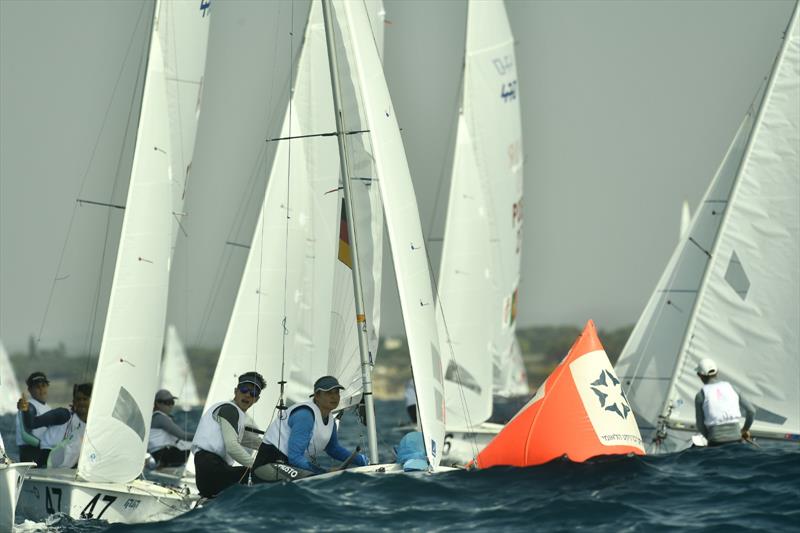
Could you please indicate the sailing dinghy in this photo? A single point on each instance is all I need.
(107, 484)
(579, 412)
(731, 288)
(325, 198)
(480, 269)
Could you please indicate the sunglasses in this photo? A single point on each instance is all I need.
(166, 402)
(255, 392)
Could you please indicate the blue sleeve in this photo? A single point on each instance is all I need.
(53, 417)
(336, 450)
(301, 421)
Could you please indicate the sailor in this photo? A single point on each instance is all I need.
(223, 437)
(718, 408)
(65, 453)
(33, 422)
(410, 394)
(298, 436)
(168, 443)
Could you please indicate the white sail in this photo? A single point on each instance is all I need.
(402, 223)
(512, 379)
(176, 372)
(128, 366)
(9, 389)
(730, 290)
(480, 267)
(183, 34)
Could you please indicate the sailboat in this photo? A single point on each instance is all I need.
(731, 290)
(176, 373)
(287, 309)
(107, 483)
(480, 268)
(9, 389)
(580, 412)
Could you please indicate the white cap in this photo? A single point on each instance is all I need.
(706, 367)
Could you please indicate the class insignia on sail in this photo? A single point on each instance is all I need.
(579, 412)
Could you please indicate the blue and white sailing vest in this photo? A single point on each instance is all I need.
(278, 432)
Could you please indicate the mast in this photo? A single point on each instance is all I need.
(363, 348)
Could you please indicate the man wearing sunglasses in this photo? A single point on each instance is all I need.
(305, 431)
(222, 439)
(168, 443)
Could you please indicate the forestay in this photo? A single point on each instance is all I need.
(730, 291)
(481, 255)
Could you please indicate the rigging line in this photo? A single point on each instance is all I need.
(450, 142)
(311, 135)
(86, 175)
(461, 394)
(225, 259)
(281, 406)
(106, 243)
(184, 168)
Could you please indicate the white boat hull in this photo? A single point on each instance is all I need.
(461, 445)
(11, 479)
(377, 469)
(50, 491)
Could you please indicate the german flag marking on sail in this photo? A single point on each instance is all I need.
(344, 240)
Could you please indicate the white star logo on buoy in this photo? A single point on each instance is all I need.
(610, 394)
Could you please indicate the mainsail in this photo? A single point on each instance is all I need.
(579, 412)
(731, 289)
(480, 267)
(128, 366)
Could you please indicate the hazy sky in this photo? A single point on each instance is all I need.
(628, 108)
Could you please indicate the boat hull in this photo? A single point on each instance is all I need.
(50, 491)
(376, 470)
(11, 479)
(461, 445)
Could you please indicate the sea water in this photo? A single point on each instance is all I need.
(736, 487)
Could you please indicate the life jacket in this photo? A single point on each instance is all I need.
(208, 436)
(53, 435)
(160, 438)
(278, 432)
(66, 453)
(41, 409)
(720, 404)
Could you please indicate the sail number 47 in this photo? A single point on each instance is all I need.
(88, 511)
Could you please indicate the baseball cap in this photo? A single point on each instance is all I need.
(37, 378)
(326, 383)
(164, 396)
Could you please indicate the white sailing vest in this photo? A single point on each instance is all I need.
(53, 435)
(208, 436)
(66, 453)
(721, 404)
(159, 438)
(278, 432)
(38, 432)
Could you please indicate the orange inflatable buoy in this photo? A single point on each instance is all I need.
(579, 412)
